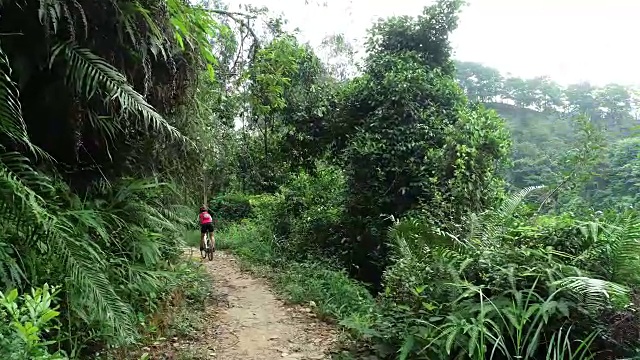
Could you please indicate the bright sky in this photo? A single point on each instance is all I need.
(569, 40)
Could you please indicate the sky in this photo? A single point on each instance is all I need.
(569, 40)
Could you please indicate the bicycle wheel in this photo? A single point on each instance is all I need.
(209, 248)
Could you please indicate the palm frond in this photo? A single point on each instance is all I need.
(11, 274)
(53, 13)
(12, 124)
(17, 177)
(92, 295)
(591, 293)
(89, 75)
(154, 40)
(488, 227)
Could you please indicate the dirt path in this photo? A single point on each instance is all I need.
(253, 324)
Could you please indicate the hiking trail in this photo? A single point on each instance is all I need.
(248, 322)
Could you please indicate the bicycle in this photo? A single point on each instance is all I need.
(208, 248)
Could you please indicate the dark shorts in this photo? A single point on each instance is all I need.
(205, 228)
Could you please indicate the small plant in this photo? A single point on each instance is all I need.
(24, 322)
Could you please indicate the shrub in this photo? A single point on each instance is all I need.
(306, 213)
(501, 286)
(24, 322)
(252, 241)
(314, 210)
(230, 208)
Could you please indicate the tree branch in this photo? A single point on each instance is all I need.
(234, 16)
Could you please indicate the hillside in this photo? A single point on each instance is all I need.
(563, 132)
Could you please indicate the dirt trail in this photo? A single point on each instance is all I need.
(253, 324)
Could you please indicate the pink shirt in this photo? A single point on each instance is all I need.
(205, 218)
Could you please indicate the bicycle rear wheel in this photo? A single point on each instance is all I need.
(209, 248)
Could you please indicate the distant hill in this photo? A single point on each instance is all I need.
(540, 115)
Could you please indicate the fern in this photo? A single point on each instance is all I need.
(615, 244)
(488, 228)
(90, 76)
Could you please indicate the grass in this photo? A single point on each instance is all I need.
(192, 238)
(178, 314)
(336, 296)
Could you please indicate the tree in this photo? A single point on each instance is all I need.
(339, 56)
(479, 82)
(413, 141)
(615, 103)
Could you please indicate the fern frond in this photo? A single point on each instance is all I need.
(488, 227)
(592, 293)
(616, 244)
(88, 75)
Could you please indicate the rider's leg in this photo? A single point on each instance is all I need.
(203, 234)
(213, 241)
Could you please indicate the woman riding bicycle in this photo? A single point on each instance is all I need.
(206, 226)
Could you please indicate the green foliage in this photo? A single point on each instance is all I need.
(427, 36)
(554, 128)
(230, 208)
(251, 241)
(115, 115)
(110, 252)
(413, 141)
(311, 209)
(25, 321)
(91, 141)
(463, 271)
(508, 287)
(616, 184)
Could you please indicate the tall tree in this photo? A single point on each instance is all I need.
(411, 138)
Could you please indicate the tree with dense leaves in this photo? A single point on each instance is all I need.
(410, 138)
(480, 83)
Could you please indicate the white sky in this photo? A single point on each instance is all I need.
(569, 40)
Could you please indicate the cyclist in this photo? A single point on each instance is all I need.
(206, 226)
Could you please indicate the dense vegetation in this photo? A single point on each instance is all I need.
(434, 208)
(542, 118)
(99, 147)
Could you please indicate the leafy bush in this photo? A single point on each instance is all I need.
(306, 213)
(314, 210)
(110, 251)
(25, 323)
(229, 208)
(488, 294)
(411, 139)
(252, 241)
